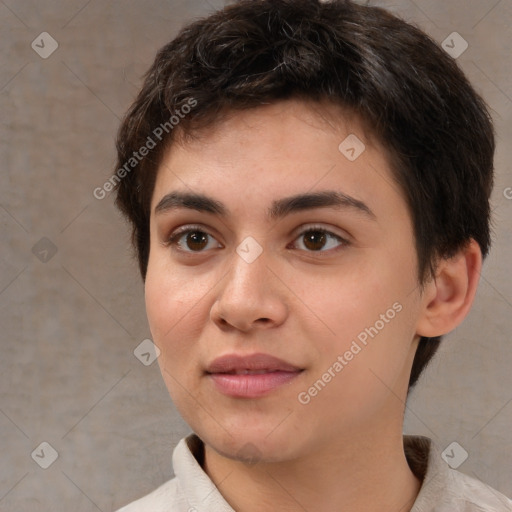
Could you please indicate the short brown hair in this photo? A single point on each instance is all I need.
(402, 85)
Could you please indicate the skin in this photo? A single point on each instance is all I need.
(300, 302)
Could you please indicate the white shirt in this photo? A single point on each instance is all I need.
(443, 489)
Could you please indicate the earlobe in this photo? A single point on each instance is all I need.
(449, 296)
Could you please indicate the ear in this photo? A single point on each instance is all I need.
(447, 298)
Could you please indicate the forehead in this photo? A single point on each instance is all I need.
(305, 117)
(258, 155)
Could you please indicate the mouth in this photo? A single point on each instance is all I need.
(248, 372)
(250, 376)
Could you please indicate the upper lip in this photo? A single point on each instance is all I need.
(236, 362)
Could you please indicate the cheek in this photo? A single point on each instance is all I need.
(353, 380)
(346, 301)
(158, 298)
(170, 297)
(169, 306)
(367, 318)
(174, 325)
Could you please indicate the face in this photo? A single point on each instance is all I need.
(326, 283)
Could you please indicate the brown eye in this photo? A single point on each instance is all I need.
(190, 240)
(196, 240)
(314, 240)
(319, 240)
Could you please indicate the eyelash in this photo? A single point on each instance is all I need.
(173, 239)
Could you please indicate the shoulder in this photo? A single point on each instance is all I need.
(168, 496)
(475, 496)
(445, 489)
(191, 489)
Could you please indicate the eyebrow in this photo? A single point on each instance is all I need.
(279, 209)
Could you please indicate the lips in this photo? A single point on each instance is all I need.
(250, 376)
(249, 364)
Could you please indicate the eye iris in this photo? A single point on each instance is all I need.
(311, 236)
(196, 237)
(197, 240)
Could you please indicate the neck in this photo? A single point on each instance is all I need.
(359, 471)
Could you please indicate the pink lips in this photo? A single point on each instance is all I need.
(250, 376)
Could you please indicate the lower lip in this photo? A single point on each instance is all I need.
(251, 385)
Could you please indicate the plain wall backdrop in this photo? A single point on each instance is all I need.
(71, 300)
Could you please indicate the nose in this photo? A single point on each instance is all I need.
(250, 296)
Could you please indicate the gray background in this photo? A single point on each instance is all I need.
(71, 319)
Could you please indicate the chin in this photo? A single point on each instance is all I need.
(251, 446)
